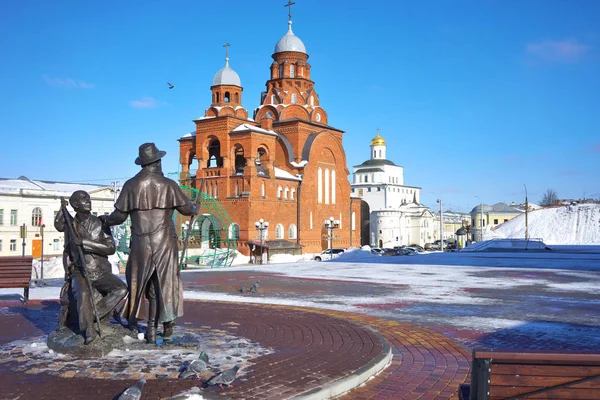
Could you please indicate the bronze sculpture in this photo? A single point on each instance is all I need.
(152, 271)
(87, 246)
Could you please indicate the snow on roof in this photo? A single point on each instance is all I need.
(205, 117)
(281, 174)
(24, 184)
(301, 164)
(252, 128)
(191, 134)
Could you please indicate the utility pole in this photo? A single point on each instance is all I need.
(441, 225)
(526, 214)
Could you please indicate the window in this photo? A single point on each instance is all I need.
(379, 153)
(1, 217)
(13, 244)
(292, 231)
(55, 245)
(272, 99)
(310, 220)
(234, 231)
(319, 185)
(281, 71)
(318, 117)
(269, 114)
(279, 231)
(292, 71)
(292, 194)
(369, 189)
(13, 217)
(353, 221)
(262, 190)
(333, 186)
(286, 193)
(227, 97)
(505, 219)
(473, 222)
(293, 98)
(326, 185)
(216, 190)
(379, 189)
(312, 101)
(279, 190)
(495, 221)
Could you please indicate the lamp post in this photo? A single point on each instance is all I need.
(480, 218)
(331, 224)
(441, 225)
(184, 228)
(261, 226)
(42, 259)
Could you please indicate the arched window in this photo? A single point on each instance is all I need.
(272, 99)
(281, 71)
(310, 220)
(227, 97)
(286, 193)
(279, 231)
(353, 221)
(326, 178)
(333, 186)
(218, 97)
(293, 98)
(240, 160)
(374, 154)
(292, 231)
(319, 185)
(36, 217)
(262, 190)
(216, 190)
(292, 71)
(237, 189)
(366, 178)
(269, 114)
(292, 194)
(379, 153)
(234, 231)
(279, 190)
(312, 101)
(318, 117)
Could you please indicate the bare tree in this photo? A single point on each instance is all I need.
(549, 198)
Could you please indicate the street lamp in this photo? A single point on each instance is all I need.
(526, 211)
(331, 224)
(441, 225)
(480, 218)
(184, 228)
(261, 226)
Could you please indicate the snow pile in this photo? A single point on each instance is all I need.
(578, 224)
(506, 244)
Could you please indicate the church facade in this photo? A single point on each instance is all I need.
(395, 217)
(285, 166)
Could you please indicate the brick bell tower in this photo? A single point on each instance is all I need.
(286, 165)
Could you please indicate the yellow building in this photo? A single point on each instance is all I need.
(485, 217)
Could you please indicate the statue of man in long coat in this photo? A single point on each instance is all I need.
(152, 271)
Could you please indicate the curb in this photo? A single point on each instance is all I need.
(363, 374)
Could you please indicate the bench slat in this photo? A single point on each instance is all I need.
(558, 394)
(544, 381)
(544, 370)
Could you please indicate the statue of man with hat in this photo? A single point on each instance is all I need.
(152, 271)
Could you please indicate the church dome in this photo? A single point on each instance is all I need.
(378, 141)
(290, 42)
(227, 76)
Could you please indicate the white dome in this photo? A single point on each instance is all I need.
(227, 76)
(290, 42)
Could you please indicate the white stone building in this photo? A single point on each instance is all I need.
(35, 203)
(396, 216)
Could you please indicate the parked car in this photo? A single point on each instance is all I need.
(377, 251)
(388, 252)
(328, 254)
(405, 251)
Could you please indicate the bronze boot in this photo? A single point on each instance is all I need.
(168, 328)
(152, 324)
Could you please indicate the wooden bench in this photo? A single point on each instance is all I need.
(533, 375)
(15, 272)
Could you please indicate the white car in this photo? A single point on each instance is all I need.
(328, 254)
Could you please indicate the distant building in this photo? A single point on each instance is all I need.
(395, 216)
(34, 204)
(453, 221)
(488, 217)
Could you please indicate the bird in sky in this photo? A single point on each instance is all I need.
(171, 86)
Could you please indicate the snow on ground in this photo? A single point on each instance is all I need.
(579, 224)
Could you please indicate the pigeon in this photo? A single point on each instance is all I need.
(170, 85)
(134, 392)
(242, 289)
(223, 378)
(255, 287)
(195, 367)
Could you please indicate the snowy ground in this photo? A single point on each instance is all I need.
(533, 300)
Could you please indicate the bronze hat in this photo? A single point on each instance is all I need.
(149, 154)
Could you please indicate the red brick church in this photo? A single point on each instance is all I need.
(286, 166)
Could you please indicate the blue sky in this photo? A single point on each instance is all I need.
(474, 98)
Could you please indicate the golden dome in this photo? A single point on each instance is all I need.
(378, 141)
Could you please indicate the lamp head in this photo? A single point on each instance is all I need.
(266, 224)
(261, 220)
(256, 224)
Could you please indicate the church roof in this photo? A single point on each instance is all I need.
(375, 163)
(290, 42)
(378, 141)
(227, 76)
